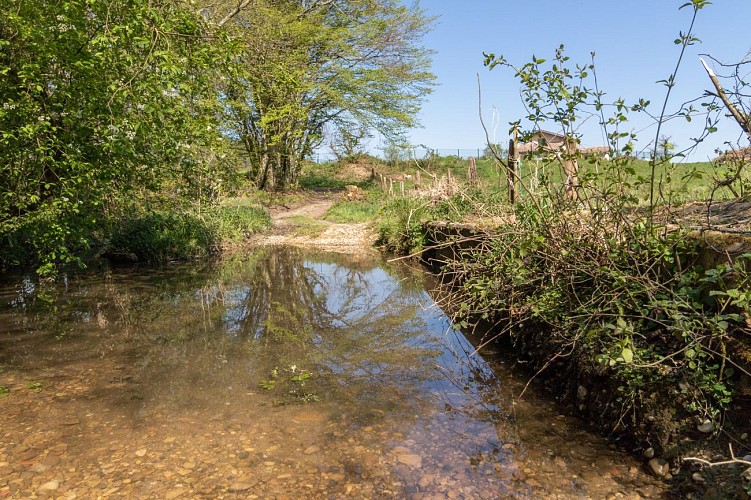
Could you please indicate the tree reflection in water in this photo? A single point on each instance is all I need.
(205, 336)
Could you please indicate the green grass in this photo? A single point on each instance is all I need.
(679, 182)
(182, 233)
(334, 175)
(357, 211)
(238, 218)
(306, 226)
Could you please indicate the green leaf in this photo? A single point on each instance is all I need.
(627, 355)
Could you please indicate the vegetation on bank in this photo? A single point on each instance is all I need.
(140, 117)
(590, 276)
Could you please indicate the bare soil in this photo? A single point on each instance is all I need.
(303, 225)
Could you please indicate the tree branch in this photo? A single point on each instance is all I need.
(743, 120)
(235, 11)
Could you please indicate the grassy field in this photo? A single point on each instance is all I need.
(678, 183)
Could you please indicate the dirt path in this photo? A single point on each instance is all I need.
(303, 224)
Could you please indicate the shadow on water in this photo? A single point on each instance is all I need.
(281, 372)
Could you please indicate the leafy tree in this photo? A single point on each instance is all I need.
(341, 64)
(101, 100)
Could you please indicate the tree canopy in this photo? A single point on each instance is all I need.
(110, 105)
(336, 64)
(101, 100)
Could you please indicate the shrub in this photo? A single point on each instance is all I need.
(237, 222)
(164, 236)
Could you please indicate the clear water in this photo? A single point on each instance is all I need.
(284, 373)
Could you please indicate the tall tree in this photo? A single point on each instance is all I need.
(342, 64)
(100, 98)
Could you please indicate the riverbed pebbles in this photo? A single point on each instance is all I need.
(197, 456)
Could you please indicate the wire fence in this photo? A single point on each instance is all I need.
(404, 154)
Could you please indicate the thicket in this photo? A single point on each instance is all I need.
(146, 109)
(589, 277)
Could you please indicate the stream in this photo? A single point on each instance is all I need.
(279, 374)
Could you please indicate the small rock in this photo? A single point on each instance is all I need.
(49, 485)
(425, 481)
(744, 436)
(51, 460)
(240, 486)
(172, 494)
(649, 453)
(311, 450)
(706, 426)
(659, 466)
(39, 467)
(141, 452)
(581, 393)
(412, 460)
(698, 478)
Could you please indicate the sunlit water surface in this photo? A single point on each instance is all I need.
(281, 374)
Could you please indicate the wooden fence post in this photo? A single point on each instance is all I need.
(511, 173)
(472, 177)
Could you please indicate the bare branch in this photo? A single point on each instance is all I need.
(743, 120)
(240, 6)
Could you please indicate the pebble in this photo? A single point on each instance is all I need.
(698, 477)
(174, 493)
(141, 452)
(240, 486)
(649, 453)
(706, 426)
(659, 467)
(581, 393)
(50, 485)
(311, 450)
(425, 481)
(410, 459)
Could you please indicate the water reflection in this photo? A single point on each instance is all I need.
(280, 353)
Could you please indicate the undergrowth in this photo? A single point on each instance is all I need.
(158, 236)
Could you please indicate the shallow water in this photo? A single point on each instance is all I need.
(281, 374)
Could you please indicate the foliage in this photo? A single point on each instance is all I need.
(343, 65)
(400, 230)
(638, 309)
(591, 284)
(237, 220)
(356, 211)
(102, 101)
(290, 381)
(179, 235)
(163, 236)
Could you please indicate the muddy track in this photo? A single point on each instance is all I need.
(303, 225)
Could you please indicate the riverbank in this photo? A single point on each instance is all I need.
(276, 373)
(659, 417)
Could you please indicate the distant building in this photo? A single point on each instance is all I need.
(543, 140)
(742, 155)
(546, 141)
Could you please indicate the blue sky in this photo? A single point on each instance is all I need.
(633, 41)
